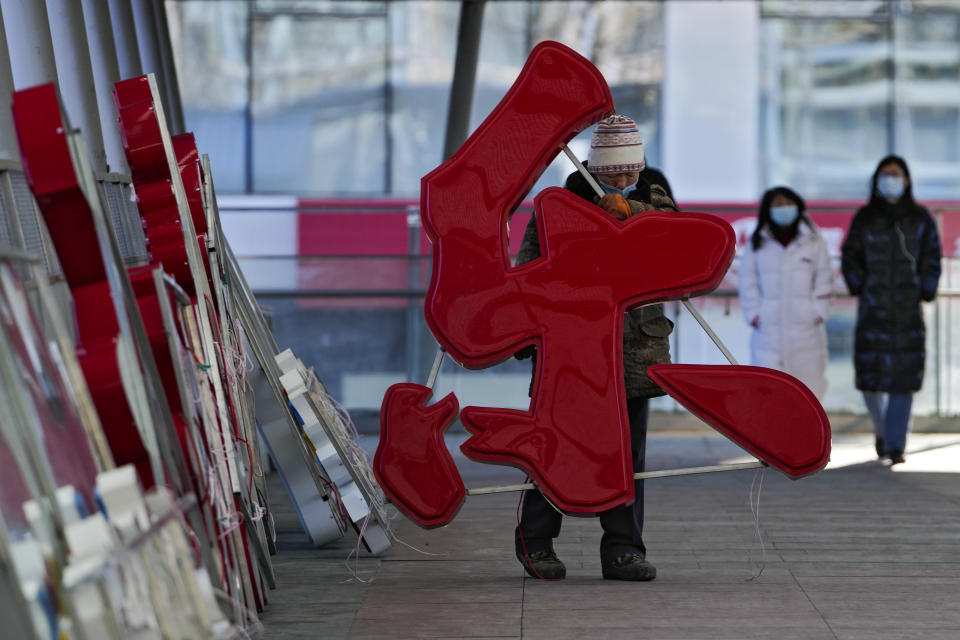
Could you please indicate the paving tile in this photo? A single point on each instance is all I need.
(403, 595)
(366, 633)
(287, 612)
(853, 553)
(874, 584)
(642, 629)
(897, 632)
(328, 627)
(658, 625)
(444, 620)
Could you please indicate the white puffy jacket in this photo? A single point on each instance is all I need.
(788, 288)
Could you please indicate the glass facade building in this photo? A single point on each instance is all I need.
(844, 83)
(326, 98)
(351, 98)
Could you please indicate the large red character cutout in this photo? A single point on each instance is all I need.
(574, 442)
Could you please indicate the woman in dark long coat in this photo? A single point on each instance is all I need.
(891, 262)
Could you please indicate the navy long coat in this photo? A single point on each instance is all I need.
(891, 261)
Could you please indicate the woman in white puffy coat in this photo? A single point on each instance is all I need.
(785, 286)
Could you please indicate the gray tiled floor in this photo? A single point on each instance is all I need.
(859, 551)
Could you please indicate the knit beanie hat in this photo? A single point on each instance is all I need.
(616, 146)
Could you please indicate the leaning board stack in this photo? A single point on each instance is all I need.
(132, 499)
(350, 478)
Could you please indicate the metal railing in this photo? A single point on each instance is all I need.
(367, 335)
(359, 318)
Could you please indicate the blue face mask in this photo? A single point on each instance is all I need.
(608, 189)
(890, 187)
(784, 215)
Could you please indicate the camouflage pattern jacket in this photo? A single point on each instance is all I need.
(646, 331)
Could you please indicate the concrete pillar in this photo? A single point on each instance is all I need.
(151, 57)
(8, 136)
(75, 73)
(29, 43)
(710, 100)
(172, 95)
(125, 39)
(106, 72)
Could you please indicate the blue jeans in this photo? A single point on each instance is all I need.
(890, 413)
(622, 526)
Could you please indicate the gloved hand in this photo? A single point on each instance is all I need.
(660, 200)
(615, 205)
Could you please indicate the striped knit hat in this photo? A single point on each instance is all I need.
(616, 146)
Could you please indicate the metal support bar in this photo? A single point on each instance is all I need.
(18, 255)
(177, 290)
(643, 475)
(435, 370)
(583, 171)
(414, 311)
(713, 336)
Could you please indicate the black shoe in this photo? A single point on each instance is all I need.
(896, 457)
(543, 564)
(630, 567)
(880, 449)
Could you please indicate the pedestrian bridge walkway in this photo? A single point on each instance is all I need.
(860, 550)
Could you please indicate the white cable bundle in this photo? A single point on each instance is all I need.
(340, 420)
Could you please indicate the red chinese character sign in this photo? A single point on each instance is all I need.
(574, 441)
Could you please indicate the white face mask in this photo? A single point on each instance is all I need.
(784, 215)
(608, 189)
(890, 187)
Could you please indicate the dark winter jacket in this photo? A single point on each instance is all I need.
(891, 261)
(646, 331)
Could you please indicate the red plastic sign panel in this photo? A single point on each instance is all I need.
(48, 164)
(412, 463)
(769, 413)
(574, 442)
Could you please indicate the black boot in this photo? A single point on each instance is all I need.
(896, 457)
(630, 567)
(880, 450)
(543, 564)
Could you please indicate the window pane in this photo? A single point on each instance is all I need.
(352, 97)
(928, 97)
(825, 104)
(319, 119)
(821, 9)
(209, 46)
(423, 45)
(330, 7)
(423, 50)
(623, 39)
